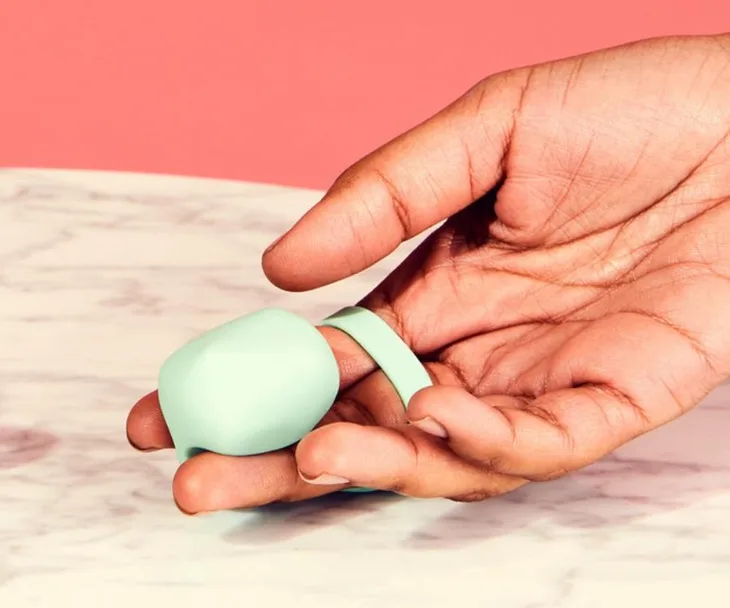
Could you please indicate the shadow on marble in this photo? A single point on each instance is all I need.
(662, 472)
(666, 471)
(277, 523)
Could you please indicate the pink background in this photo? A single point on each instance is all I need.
(286, 92)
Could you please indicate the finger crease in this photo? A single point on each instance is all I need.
(398, 204)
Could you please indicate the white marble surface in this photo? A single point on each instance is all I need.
(102, 275)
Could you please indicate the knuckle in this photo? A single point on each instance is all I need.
(477, 496)
(348, 409)
(400, 487)
(546, 476)
(384, 304)
(494, 464)
(347, 178)
(322, 449)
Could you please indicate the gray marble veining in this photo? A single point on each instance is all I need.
(102, 275)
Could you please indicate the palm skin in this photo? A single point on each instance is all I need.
(574, 298)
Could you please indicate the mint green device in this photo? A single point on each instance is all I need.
(261, 382)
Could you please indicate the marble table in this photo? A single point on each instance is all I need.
(102, 275)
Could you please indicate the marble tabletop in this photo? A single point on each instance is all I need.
(102, 275)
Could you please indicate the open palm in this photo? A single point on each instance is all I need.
(574, 298)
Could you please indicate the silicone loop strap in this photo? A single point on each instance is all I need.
(402, 368)
(405, 372)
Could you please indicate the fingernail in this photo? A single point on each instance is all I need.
(430, 426)
(325, 480)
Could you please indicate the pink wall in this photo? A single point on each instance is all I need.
(288, 92)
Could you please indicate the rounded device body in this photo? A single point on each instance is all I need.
(256, 384)
(261, 382)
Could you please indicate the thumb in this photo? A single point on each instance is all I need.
(402, 189)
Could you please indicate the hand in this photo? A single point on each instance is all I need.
(575, 297)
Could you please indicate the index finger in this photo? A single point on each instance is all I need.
(409, 185)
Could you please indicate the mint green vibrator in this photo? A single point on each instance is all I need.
(261, 382)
